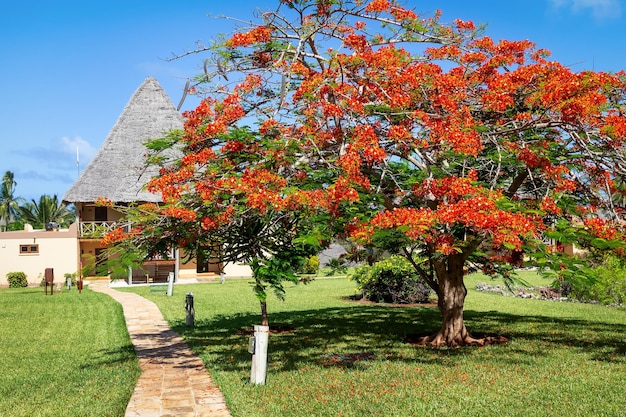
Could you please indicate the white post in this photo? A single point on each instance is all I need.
(258, 371)
(170, 284)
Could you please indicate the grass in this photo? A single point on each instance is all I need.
(345, 358)
(64, 355)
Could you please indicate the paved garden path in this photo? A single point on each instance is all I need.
(173, 381)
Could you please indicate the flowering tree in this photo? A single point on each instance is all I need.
(371, 121)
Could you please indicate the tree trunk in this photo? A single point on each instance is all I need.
(451, 301)
(264, 318)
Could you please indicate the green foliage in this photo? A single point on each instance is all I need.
(47, 209)
(17, 280)
(272, 273)
(9, 203)
(607, 287)
(336, 266)
(15, 226)
(392, 280)
(311, 265)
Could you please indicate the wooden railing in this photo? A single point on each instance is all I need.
(95, 230)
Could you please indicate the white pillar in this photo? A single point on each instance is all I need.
(170, 284)
(258, 371)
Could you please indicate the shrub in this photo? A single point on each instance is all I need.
(337, 266)
(311, 265)
(608, 287)
(392, 280)
(17, 280)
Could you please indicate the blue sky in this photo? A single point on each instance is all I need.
(68, 67)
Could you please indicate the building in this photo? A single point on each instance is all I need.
(33, 251)
(118, 173)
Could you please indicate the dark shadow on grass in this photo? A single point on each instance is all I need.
(120, 356)
(379, 331)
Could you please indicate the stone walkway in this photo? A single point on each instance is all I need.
(174, 381)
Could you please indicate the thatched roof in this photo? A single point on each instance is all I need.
(117, 171)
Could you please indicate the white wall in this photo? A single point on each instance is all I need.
(57, 250)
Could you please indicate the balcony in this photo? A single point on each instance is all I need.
(97, 229)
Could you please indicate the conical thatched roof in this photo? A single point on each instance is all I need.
(117, 171)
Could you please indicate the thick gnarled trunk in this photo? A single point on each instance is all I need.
(451, 294)
(451, 303)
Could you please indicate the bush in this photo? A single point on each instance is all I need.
(392, 280)
(17, 280)
(312, 265)
(337, 266)
(608, 287)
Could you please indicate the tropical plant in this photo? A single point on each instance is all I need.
(45, 211)
(9, 203)
(395, 130)
(336, 266)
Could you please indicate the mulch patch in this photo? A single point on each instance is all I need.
(346, 359)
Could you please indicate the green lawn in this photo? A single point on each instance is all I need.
(64, 355)
(564, 359)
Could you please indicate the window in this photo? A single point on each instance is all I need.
(29, 249)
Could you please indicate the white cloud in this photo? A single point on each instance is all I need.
(78, 145)
(600, 9)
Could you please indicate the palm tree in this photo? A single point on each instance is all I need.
(47, 210)
(9, 203)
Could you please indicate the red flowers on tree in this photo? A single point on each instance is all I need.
(360, 118)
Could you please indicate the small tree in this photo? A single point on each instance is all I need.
(244, 221)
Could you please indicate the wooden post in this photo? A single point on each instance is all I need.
(79, 283)
(49, 280)
(258, 372)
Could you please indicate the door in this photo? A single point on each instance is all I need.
(100, 214)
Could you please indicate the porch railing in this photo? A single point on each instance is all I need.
(97, 229)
